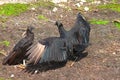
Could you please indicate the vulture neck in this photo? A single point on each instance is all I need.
(62, 31)
(29, 34)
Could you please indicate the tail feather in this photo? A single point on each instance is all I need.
(10, 59)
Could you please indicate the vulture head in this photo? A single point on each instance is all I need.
(29, 31)
(58, 24)
(61, 29)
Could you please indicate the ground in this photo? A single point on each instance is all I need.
(101, 63)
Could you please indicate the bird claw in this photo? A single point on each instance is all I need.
(22, 66)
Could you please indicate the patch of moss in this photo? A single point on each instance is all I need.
(13, 9)
(99, 22)
(4, 78)
(112, 6)
(6, 43)
(42, 17)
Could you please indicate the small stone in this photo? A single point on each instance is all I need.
(83, 0)
(96, 2)
(12, 75)
(61, 5)
(33, 8)
(114, 53)
(77, 4)
(58, 1)
(55, 9)
(81, 3)
(86, 8)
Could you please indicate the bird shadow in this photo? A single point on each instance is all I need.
(81, 56)
(43, 67)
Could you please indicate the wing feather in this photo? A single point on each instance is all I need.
(47, 52)
(10, 58)
(36, 52)
(80, 30)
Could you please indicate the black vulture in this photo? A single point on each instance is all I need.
(78, 37)
(18, 52)
(60, 48)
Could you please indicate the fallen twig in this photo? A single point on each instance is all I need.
(73, 62)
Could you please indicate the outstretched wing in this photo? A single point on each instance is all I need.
(81, 30)
(49, 49)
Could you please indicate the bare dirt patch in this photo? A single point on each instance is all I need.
(101, 63)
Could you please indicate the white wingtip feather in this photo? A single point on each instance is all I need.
(36, 52)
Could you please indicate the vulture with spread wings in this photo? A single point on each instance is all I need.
(78, 37)
(60, 48)
(18, 52)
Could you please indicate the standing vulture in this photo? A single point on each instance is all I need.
(78, 37)
(18, 52)
(60, 48)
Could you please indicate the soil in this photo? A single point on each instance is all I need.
(102, 60)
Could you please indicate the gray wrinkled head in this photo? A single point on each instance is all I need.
(30, 28)
(58, 24)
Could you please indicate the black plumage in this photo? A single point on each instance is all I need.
(60, 48)
(47, 50)
(18, 52)
(78, 37)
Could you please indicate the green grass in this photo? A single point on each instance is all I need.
(6, 43)
(42, 17)
(13, 9)
(4, 78)
(99, 22)
(112, 6)
(17, 8)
